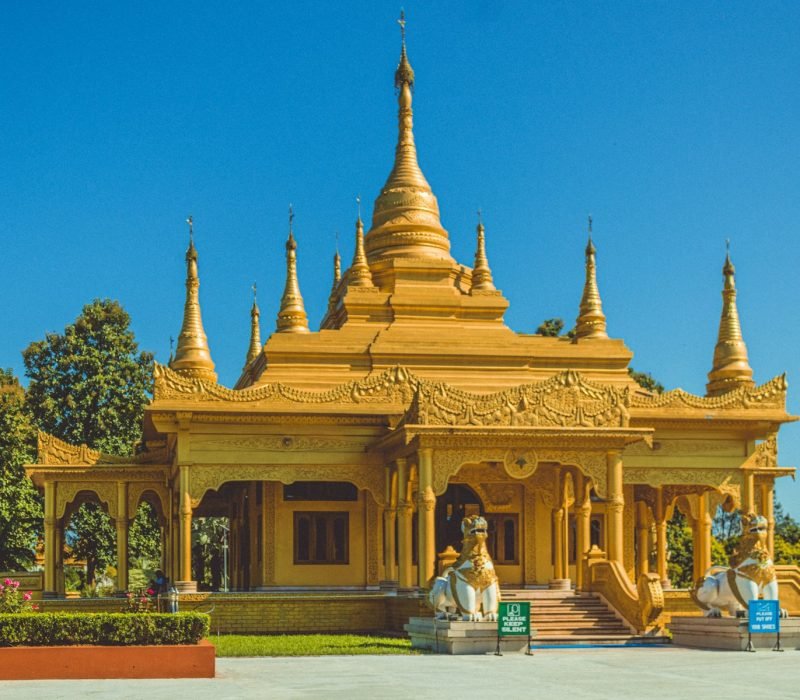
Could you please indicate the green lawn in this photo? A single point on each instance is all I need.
(308, 645)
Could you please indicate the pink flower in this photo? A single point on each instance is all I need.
(129, 595)
(7, 582)
(27, 596)
(150, 591)
(15, 584)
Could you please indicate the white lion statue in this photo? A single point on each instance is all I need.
(751, 573)
(469, 587)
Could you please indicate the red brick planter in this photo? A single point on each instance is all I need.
(174, 661)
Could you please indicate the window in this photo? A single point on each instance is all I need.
(502, 540)
(321, 538)
(320, 491)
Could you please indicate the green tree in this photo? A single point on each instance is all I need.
(90, 385)
(553, 327)
(646, 381)
(20, 505)
(680, 551)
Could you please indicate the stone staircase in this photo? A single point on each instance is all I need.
(563, 618)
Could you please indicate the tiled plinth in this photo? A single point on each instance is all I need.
(456, 637)
(729, 633)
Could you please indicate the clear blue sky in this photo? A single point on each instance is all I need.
(674, 123)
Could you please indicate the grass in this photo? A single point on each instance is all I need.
(308, 645)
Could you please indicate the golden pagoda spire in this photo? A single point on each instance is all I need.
(255, 331)
(292, 314)
(192, 356)
(481, 273)
(337, 276)
(359, 274)
(405, 218)
(731, 367)
(591, 322)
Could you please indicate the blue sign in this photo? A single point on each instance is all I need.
(763, 616)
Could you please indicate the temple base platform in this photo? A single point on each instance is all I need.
(457, 637)
(729, 633)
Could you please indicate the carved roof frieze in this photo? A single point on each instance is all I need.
(53, 451)
(769, 395)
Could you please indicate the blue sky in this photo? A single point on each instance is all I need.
(673, 123)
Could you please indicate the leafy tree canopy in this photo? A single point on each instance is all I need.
(646, 381)
(553, 327)
(20, 505)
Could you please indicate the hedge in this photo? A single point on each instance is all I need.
(103, 629)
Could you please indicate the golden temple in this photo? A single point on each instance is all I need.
(345, 458)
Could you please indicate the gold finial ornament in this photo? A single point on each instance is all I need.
(731, 368)
(192, 356)
(481, 273)
(337, 277)
(292, 313)
(591, 322)
(359, 274)
(255, 331)
(405, 218)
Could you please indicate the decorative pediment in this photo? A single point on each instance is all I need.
(769, 395)
(53, 451)
(395, 385)
(564, 400)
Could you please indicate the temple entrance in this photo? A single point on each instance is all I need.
(457, 502)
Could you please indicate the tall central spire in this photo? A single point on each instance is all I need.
(292, 313)
(405, 219)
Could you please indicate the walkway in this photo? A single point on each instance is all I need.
(664, 672)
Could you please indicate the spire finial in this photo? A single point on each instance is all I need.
(292, 313)
(359, 274)
(731, 368)
(171, 349)
(402, 23)
(591, 322)
(481, 273)
(254, 349)
(404, 72)
(192, 356)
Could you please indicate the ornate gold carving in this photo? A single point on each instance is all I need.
(765, 455)
(207, 477)
(769, 395)
(565, 399)
(651, 598)
(447, 463)
(137, 489)
(685, 447)
(498, 495)
(270, 506)
(105, 491)
(520, 464)
(53, 451)
(292, 443)
(529, 515)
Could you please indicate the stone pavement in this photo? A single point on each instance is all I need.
(665, 672)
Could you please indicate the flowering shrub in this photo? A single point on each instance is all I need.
(12, 601)
(139, 602)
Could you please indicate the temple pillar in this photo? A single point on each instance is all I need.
(49, 539)
(642, 540)
(748, 492)
(404, 519)
(269, 501)
(389, 520)
(615, 505)
(768, 511)
(254, 571)
(426, 507)
(704, 527)
(661, 538)
(558, 544)
(583, 532)
(185, 501)
(121, 524)
(162, 539)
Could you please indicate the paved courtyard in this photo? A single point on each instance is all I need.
(602, 673)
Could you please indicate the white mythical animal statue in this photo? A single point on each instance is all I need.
(751, 573)
(469, 587)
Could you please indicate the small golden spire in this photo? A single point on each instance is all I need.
(255, 331)
(405, 218)
(359, 274)
(337, 275)
(292, 314)
(192, 356)
(591, 321)
(731, 367)
(171, 350)
(481, 273)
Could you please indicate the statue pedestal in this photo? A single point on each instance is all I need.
(729, 633)
(457, 637)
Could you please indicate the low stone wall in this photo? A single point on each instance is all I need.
(276, 613)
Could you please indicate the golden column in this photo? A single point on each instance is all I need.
(49, 539)
(59, 550)
(768, 511)
(558, 544)
(389, 520)
(254, 572)
(748, 492)
(185, 569)
(704, 530)
(426, 507)
(122, 536)
(583, 531)
(615, 506)
(405, 511)
(642, 540)
(661, 538)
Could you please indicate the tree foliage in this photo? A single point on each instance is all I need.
(20, 505)
(553, 327)
(90, 385)
(646, 381)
